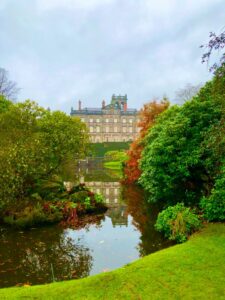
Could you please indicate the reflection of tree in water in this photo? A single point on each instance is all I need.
(144, 217)
(28, 257)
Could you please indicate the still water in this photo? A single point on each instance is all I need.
(121, 235)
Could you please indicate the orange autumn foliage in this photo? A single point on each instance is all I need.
(147, 118)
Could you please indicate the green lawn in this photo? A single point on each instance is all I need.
(100, 149)
(193, 270)
(114, 165)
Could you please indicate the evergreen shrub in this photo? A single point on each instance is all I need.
(177, 222)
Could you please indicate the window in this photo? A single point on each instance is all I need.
(107, 129)
(115, 129)
(131, 129)
(124, 129)
(97, 120)
(131, 120)
(124, 120)
(115, 120)
(91, 120)
(91, 129)
(82, 119)
(98, 129)
(107, 120)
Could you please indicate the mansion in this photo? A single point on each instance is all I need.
(114, 122)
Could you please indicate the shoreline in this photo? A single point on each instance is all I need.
(193, 269)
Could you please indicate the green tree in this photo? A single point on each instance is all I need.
(63, 136)
(177, 163)
(214, 205)
(4, 104)
(34, 142)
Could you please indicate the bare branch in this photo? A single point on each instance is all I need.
(8, 88)
(216, 42)
(187, 92)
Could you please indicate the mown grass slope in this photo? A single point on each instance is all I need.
(99, 149)
(193, 270)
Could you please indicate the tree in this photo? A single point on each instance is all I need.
(8, 88)
(148, 115)
(64, 137)
(182, 158)
(4, 104)
(187, 92)
(34, 143)
(216, 42)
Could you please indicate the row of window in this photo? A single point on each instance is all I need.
(98, 139)
(108, 129)
(108, 120)
(107, 191)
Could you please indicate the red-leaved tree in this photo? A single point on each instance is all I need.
(147, 118)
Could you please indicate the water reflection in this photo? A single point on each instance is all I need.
(123, 234)
(26, 256)
(143, 218)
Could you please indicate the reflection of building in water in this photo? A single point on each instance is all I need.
(111, 192)
(118, 215)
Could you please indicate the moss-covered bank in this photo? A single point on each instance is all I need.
(193, 270)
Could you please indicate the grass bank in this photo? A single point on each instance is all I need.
(193, 270)
(99, 149)
(114, 165)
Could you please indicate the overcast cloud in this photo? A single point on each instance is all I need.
(60, 51)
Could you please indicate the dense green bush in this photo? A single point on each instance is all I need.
(214, 206)
(177, 222)
(32, 216)
(99, 198)
(184, 149)
(79, 197)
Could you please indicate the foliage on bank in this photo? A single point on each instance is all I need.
(214, 205)
(177, 163)
(181, 155)
(34, 144)
(184, 152)
(54, 201)
(177, 222)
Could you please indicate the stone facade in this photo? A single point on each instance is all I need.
(110, 123)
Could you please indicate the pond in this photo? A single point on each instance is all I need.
(108, 241)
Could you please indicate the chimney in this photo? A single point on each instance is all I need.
(79, 105)
(103, 104)
(125, 106)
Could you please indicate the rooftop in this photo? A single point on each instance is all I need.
(118, 105)
(100, 111)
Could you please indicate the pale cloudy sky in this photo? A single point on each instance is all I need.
(60, 51)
